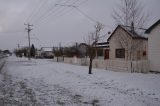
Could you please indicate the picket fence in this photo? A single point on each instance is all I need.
(2, 60)
(141, 66)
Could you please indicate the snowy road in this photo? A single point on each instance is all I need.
(47, 83)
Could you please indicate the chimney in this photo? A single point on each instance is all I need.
(76, 44)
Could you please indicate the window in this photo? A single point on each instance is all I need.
(99, 52)
(120, 53)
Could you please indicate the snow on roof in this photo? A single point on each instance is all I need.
(152, 27)
(138, 33)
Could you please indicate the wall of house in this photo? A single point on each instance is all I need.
(140, 46)
(154, 49)
(134, 48)
(120, 39)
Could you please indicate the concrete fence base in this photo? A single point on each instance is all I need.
(141, 66)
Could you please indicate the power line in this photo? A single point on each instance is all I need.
(40, 7)
(56, 10)
(83, 2)
(65, 9)
(46, 12)
(73, 6)
(16, 31)
(79, 11)
(90, 18)
(56, 16)
(34, 10)
(49, 12)
(83, 13)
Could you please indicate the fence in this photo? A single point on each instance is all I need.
(114, 65)
(2, 60)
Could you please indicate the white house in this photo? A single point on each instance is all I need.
(125, 44)
(154, 46)
(127, 50)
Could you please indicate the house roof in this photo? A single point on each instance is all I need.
(98, 45)
(134, 35)
(102, 45)
(152, 27)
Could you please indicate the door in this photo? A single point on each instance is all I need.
(106, 56)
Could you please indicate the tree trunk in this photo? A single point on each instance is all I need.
(90, 66)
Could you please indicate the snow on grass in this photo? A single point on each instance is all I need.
(60, 84)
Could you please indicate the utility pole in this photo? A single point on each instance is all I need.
(29, 30)
(18, 46)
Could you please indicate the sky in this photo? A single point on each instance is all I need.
(54, 24)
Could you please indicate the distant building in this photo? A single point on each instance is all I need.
(46, 52)
(154, 46)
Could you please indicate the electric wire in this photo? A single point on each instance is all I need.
(63, 12)
(57, 10)
(39, 9)
(16, 31)
(47, 12)
(35, 9)
(76, 7)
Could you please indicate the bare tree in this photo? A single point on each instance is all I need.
(130, 11)
(91, 41)
(130, 14)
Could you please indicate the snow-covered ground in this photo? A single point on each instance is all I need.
(48, 83)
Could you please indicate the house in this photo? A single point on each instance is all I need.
(124, 51)
(47, 52)
(154, 46)
(127, 50)
(126, 44)
(102, 50)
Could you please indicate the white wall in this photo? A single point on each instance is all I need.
(121, 39)
(154, 49)
(2, 61)
(114, 43)
(112, 65)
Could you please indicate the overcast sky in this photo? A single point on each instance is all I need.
(56, 24)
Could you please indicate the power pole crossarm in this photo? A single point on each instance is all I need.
(29, 30)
